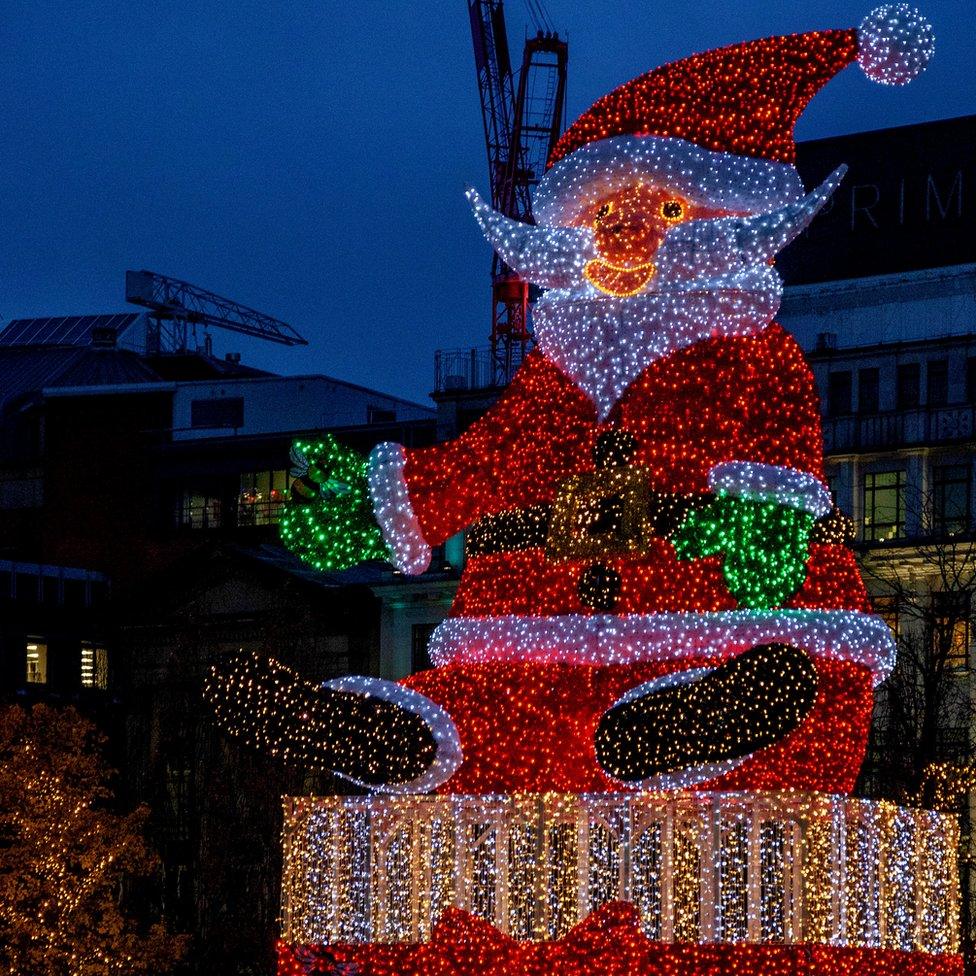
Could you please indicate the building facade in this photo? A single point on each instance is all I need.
(139, 502)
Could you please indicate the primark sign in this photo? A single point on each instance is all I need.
(908, 202)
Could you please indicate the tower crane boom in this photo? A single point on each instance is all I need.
(181, 305)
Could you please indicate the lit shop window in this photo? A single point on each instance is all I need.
(200, 511)
(884, 505)
(36, 661)
(94, 666)
(263, 496)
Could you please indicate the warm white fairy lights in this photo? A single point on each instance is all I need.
(720, 867)
(447, 756)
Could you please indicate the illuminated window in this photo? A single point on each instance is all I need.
(94, 666)
(263, 496)
(951, 631)
(36, 661)
(950, 498)
(884, 505)
(200, 511)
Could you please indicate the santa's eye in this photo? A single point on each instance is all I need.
(672, 210)
(604, 211)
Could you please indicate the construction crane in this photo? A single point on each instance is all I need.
(176, 308)
(522, 123)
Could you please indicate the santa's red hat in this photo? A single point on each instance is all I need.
(717, 127)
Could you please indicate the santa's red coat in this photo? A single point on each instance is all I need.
(529, 726)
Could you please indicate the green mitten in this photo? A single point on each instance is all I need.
(329, 521)
(764, 547)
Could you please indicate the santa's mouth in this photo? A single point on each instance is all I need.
(617, 281)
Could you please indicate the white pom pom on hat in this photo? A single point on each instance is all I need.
(895, 43)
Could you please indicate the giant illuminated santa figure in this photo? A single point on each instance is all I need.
(658, 592)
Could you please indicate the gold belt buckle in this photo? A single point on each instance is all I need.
(599, 514)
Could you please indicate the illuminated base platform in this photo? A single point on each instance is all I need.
(722, 882)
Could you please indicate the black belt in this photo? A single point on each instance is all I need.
(607, 531)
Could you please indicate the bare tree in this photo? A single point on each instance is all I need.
(921, 741)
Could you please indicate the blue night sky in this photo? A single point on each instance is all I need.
(309, 159)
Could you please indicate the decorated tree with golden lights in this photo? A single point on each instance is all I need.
(652, 694)
(67, 857)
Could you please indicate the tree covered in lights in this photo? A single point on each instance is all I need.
(67, 858)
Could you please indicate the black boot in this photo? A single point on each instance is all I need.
(373, 732)
(691, 726)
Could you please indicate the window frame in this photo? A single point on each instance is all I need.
(838, 405)
(939, 484)
(871, 528)
(869, 377)
(257, 511)
(941, 374)
(908, 386)
(98, 680)
(962, 628)
(41, 646)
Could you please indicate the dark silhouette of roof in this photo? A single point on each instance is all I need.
(64, 330)
(27, 370)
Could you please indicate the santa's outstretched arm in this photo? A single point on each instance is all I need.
(527, 442)
(400, 502)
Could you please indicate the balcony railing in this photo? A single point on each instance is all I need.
(899, 428)
(474, 369)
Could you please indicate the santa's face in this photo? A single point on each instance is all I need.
(628, 227)
(642, 238)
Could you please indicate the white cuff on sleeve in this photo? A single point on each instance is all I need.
(772, 483)
(448, 756)
(409, 553)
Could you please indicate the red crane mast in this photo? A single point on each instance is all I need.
(522, 123)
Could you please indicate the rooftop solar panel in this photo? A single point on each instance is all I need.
(66, 330)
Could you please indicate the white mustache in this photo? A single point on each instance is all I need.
(728, 246)
(551, 257)
(554, 257)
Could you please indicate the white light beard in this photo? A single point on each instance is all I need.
(603, 343)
